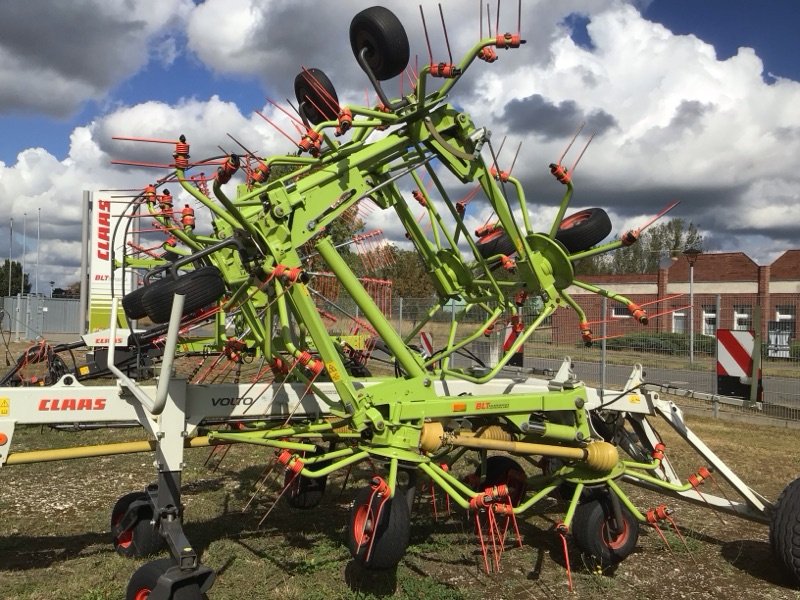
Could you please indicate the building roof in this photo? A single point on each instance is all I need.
(786, 266)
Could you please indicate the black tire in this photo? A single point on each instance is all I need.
(315, 104)
(382, 34)
(388, 538)
(143, 539)
(201, 288)
(132, 302)
(593, 531)
(784, 529)
(497, 242)
(306, 492)
(584, 229)
(503, 470)
(145, 579)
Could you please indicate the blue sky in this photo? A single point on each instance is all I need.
(683, 110)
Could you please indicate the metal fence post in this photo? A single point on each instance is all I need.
(603, 361)
(400, 318)
(718, 321)
(18, 318)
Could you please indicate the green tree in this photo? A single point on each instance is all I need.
(17, 280)
(669, 238)
(409, 275)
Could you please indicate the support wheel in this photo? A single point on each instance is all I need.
(142, 539)
(145, 579)
(381, 34)
(584, 229)
(784, 529)
(201, 288)
(305, 492)
(316, 96)
(503, 470)
(604, 539)
(378, 529)
(497, 242)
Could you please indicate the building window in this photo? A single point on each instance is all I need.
(709, 319)
(679, 322)
(742, 317)
(786, 315)
(620, 312)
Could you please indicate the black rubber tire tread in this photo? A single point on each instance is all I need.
(201, 288)
(132, 302)
(784, 529)
(306, 492)
(145, 540)
(588, 529)
(593, 229)
(494, 245)
(504, 470)
(381, 32)
(391, 533)
(317, 107)
(146, 578)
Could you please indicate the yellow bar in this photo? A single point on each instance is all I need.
(36, 456)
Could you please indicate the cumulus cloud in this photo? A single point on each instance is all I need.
(675, 121)
(55, 56)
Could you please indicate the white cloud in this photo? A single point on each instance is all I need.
(684, 125)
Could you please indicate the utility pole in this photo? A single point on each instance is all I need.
(10, 253)
(38, 226)
(24, 249)
(691, 255)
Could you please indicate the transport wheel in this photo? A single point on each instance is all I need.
(784, 529)
(305, 492)
(201, 288)
(132, 302)
(143, 539)
(377, 536)
(497, 242)
(584, 229)
(598, 535)
(382, 34)
(503, 470)
(145, 578)
(316, 96)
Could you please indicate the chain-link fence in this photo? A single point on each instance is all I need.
(677, 347)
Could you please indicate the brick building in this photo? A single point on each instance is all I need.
(727, 287)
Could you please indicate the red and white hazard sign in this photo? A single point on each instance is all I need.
(426, 341)
(735, 353)
(735, 350)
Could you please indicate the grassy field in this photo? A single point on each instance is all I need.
(54, 534)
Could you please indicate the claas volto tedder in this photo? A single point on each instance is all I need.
(254, 281)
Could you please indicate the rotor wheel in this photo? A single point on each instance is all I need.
(597, 534)
(143, 539)
(145, 579)
(316, 96)
(378, 529)
(584, 229)
(201, 288)
(378, 31)
(784, 529)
